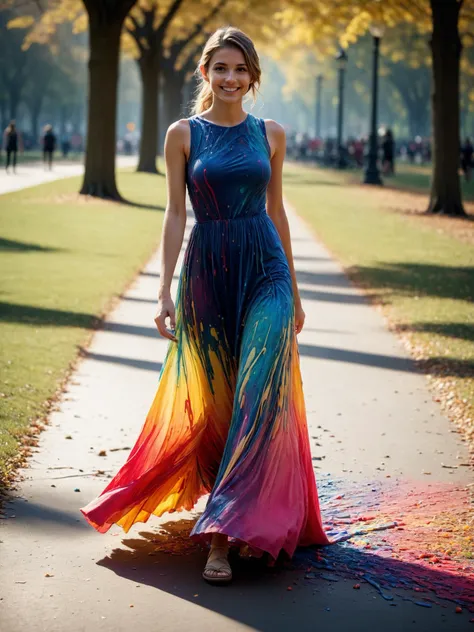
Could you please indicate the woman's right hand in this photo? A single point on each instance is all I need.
(166, 310)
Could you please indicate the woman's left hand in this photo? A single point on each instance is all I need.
(299, 318)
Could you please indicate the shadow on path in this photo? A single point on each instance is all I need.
(437, 365)
(132, 362)
(39, 516)
(132, 330)
(287, 596)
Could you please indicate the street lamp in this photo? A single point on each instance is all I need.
(372, 173)
(319, 85)
(341, 59)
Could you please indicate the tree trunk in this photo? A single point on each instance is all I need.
(446, 52)
(149, 71)
(35, 103)
(173, 97)
(189, 95)
(35, 114)
(3, 113)
(63, 116)
(99, 177)
(14, 101)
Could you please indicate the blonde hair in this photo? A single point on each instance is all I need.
(226, 37)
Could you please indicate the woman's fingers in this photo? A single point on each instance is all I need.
(160, 322)
(299, 323)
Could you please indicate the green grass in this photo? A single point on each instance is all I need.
(62, 261)
(36, 155)
(416, 178)
(425, 277)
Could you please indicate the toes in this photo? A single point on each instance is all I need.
(213, 573)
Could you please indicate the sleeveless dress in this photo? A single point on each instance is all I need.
(228, 417)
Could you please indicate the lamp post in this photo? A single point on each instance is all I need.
(341, 59)
(372, 173)
(319, 86)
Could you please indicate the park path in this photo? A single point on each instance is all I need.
(370, 417)
(30, 174)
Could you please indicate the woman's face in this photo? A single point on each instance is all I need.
(228, 74)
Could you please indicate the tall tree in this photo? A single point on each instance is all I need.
(106, 18)
(446, 52)
(148, 28)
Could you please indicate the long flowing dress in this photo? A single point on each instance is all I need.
(228, 417)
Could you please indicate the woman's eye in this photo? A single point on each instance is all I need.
(221, 68)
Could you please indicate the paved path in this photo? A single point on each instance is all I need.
(370, 416)
(30, 174)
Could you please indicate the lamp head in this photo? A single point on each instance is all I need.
(341, 58)
(377, 29)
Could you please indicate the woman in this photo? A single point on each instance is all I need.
(228, 416)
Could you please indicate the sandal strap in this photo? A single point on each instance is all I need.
(218, 565)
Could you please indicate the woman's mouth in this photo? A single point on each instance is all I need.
(230, 90)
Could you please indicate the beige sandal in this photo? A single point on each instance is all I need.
(217, 562)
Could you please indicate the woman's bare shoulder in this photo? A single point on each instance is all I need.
(274, 127)
(276, 136)
(179, 135)
(178, 129)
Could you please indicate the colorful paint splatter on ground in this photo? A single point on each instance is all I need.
(398, 534)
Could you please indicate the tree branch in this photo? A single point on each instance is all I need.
(200, 25)
(160, 32)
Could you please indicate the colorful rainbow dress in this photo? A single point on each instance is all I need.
(228, 418)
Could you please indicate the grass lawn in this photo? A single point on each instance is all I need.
(421, 268)
(36, 155)
(63, 259)
(416, 178)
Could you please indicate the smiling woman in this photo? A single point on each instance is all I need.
(228, 416)
(227, 73)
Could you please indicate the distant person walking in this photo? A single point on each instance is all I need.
(11, 143)
(49, 145)
(388, 154)
(467, 151)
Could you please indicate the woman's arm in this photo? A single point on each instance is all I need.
(174, 222)
(276, 209)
